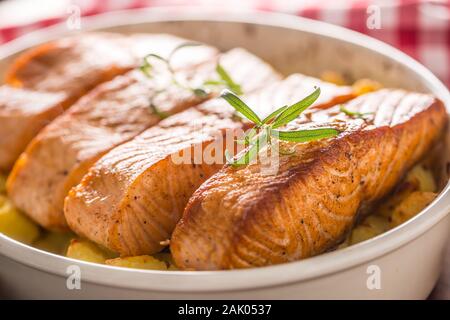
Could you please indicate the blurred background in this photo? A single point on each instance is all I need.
(419, 28)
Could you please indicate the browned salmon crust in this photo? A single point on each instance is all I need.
(241, 218)
(74, 65)
(131, 200)
(77, 64)
(46, 80)
(23, 113)
(110, 115)
(51, 77)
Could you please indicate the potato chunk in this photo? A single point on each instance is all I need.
(370, 227)
(333, 77)
(422, 178)
(417, 179)
(138, 262)
(363, 86)
(362, 233)
(85, 250)
(15, 224)
(410, 206)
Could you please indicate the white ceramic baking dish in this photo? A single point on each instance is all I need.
(407, 259)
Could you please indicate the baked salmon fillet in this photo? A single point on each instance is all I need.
(108, 116)
(132, 198)
(22, 114)
(77, 64)
(46, 80)
(241, 218)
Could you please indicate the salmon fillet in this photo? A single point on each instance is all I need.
(77, 64)
(110, 115)
(241, 218)
(132, 198)
(22, 114)
(65, 70)
(71, 64)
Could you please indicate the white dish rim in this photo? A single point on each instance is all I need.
(208, 281)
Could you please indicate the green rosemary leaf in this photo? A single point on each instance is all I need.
(146, 67)
(181, 46)
(274, 114)
(240, 141)
(214, 83)
(251, 134)
(226, 78)
(247, 156)
(199, 92)
(354, 113)
(260, 142)
(156, 111)
(202, 91)
(248, 137)
(296, 109)
(240, 106)
(305, 135)
(228, 157)
(157, 56)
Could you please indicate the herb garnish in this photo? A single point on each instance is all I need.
(356, 114)
(208, 86)
(160, 114)
(264, 130)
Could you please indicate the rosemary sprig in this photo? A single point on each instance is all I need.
(156, 111)
(264, 130)
(355, 114)
(305, 135)
(208, 86)
(226, 80)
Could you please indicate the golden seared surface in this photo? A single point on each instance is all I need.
(66, 69)
(74, 65)
(241, 218)
(132, 198)
(108, 116)
(23, 113)
(77, 64)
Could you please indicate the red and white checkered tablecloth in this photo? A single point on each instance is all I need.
(419, 28)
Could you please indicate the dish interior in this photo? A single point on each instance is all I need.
(295, 51)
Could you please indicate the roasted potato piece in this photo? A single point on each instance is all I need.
(379, 223)
(363, 86)
(417, 179)
(138, 262)
(362, 233)
(388, 204)
(333, 77)
(412, 196)
(85, 250)
(411, 206)
(370, 227)
(15, 224)
(422, 178)
(55, 242)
